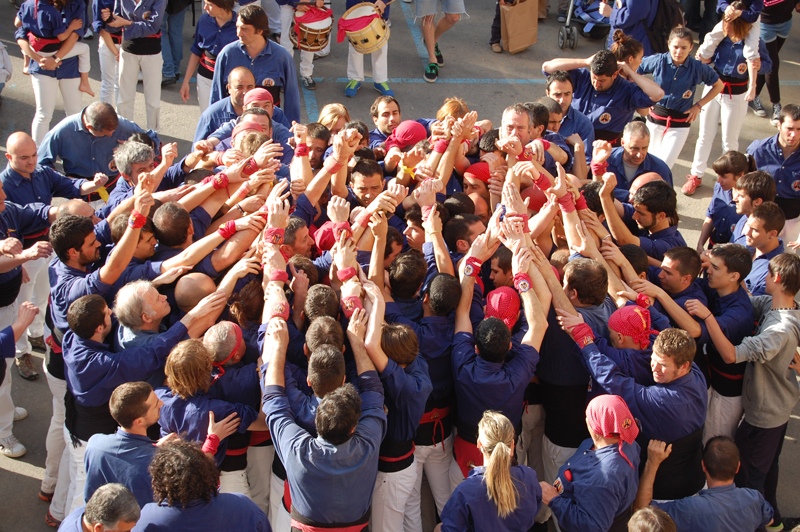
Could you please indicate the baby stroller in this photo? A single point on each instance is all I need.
(590, 23)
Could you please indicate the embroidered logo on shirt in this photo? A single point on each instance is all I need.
(687, 94)
(796, 185)
(741, 69)
(558, 486)
(146, 15)
(605, 118)
(112, 165)
(268, 82)
(626, 423)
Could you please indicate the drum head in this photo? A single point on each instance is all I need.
(320, 24)
(364, 9)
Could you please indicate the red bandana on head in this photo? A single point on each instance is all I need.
(608, 415)
(632, 321)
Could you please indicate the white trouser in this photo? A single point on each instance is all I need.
(109, 74)
(553, 457)
(37, 291)
(273, 11)
(723, 417)
(234, 482)
(77, 473)
(435, 462)
(279, 518)
(129, 67)
(529, 450)
(203, 92)
(380, 64)
(58, 506)
(81, 51)
(55, 434)
(667, 146)
(455, 475)
(259, 470)
(8, 315)
(791, 233)
(731, 111)
(389, 498)
(45, 90)
(306, 58)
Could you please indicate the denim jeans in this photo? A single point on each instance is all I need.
(172, 43)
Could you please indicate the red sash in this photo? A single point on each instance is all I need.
(467, 455)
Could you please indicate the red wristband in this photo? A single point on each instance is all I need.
(581, 203)
(301, 150)
(526, 155)
(227, 230)
(524, 218)
(350, 304)
(583, 335)
(211, 444)
(250, 167)
(566, 203)
(426, 212)
(218, 158)
(207, 180)
(346, 274)
(473, 267)
(440, 146)
(274, 235)
(643, 301)
(522, 282)
(332, 166)
(279, 310)
(545, 144)
(599, 168)
(542, 183)
(340, 228)
(220, 180)
(279, 275)
(136, 220)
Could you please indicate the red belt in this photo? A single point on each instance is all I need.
(728, 85)
(37, 43)
(731, 377)
(117, 38)
(308, 528)
(667, 119)
(436, 416)
(37, 235)
(467, 455)
(259, 436)
(208, 62)
(236, 452)
(397, 459)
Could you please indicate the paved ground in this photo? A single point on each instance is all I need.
(487, 81)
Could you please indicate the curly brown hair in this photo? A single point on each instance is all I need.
(182, 473)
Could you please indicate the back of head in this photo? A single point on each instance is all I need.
(197, 175)
(119, 224)
(69, 232)
(192, 288)
(110, 505)
(400, 343)
(247, 305)
(172, 223)
(734, 162)
(458, 228)
(651, 519)
(129, 402)
(459, 203)
(757, 185)
(86, 314)
(604, 63)
(488, 140)
(444, 293)
(326, 369)
(319, 132)
(625, 46)
(182, 473)
(407, 273)
(338, 414)
(770, 215)
(251, 142)
(539, 113)
(591, 193)
(305, 264)
(321, 300)
(324, 330)
(589, 279)
(687, 260)
(552, 106)
(787, 267)
(453, 106)
(130, 306)
(721, 458)
(101, 116)
(658, 196)
(492, 338)
(736, 257)
(331, 113)
(188, 368)
(359, 126)
(496, 434)
(676, 344)
(637, 257)
(221, 340)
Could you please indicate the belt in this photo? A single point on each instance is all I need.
(667, 119)
(37, 43)
(435, 416)
(399, 458)
(728, 85)
(208, 61)
(304, 524)
(727, 376)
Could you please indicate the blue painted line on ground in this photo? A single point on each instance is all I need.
(485, 81)
(416, 33)
(310, 99)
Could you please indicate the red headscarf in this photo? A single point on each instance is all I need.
(503, 303)
(257, 95)
(608, 415)
(478, 171)
(633, 321)
(408, 133)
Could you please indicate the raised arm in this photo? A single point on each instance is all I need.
(724, 346)
(565, 63)
(657, 452)
(681, 318)
(523, 282)
(376, 316)
(650, 87)
(616, 225)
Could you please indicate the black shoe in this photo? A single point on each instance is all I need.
(169, 80)
(308, 83)
(432, 73)
(438, 53)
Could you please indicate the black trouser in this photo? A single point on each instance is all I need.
(771, 79)
(759, 451)
(495, 38)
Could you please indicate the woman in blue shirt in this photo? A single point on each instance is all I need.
(215, 29)
(497, 496)
(678, 74)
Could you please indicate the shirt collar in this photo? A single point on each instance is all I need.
(775, 252)
(266, 51)
(15, 177)
(668, 231)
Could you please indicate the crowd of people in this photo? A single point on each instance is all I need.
(291, 325)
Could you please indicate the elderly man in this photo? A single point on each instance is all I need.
(112, 508)
(85, 143)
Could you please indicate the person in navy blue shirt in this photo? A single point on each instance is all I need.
(722, 216)
(718, 508)
(779, 157)
(632, 17)
(750, 191)
(560, 87)
(271, 65)
(112, 507)
(215, 29)
(497, 496)
(761, 234)
(606, 92)
(656, 212)
(240, 80)
(678, 74)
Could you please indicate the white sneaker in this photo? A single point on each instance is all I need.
(20, 413)
(11, 447)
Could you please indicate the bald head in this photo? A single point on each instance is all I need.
(21, 153)
(643, 179)
(191, 288)
(77, 207)
(240, 80)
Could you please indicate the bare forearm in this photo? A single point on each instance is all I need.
(615, 224)
(121, 256)
(645, 494)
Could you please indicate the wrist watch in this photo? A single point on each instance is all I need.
(57, 60)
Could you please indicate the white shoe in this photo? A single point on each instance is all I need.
(11, 447)
(20, 413)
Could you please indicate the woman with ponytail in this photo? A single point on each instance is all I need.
(627, 49)
(498, 496)
(596, 487)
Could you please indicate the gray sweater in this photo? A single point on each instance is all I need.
(770, 390)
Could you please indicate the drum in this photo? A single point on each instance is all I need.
(372, 36)
(312, 36)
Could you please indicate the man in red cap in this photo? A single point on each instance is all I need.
(476, 179)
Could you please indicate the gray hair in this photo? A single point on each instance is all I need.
(129, 304)
(132, 152)
(636, 129)
(220, 340)
(111, 504)
(101, 117)
(520, 109)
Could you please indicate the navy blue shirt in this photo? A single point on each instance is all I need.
(651, 163)
(405, 392)
(658, 243)
(17, 221)
(213, 117)
(756, 281)
(121, 457)
(719, 509)
(722, 211)
(786, 172)
(226, 511)
(41, 187)
(678, 81)
(693, 291)
(633, 17)
(68, 284)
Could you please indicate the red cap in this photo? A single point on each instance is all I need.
(538, 199)
(246, 126)
(503, 303)
(479, 171)
(633, 321)
(408, 133)
(257, 95)
(324, 236)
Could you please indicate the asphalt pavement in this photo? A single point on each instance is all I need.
(487, 81)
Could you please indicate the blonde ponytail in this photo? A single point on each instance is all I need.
(497, 439)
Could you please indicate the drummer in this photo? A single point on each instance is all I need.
(290, 9)
(380, 60)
